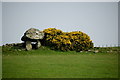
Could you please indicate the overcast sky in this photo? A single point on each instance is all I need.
(0, 23)
(98, 19)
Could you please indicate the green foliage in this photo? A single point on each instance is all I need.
(13, 48)
(65, 41)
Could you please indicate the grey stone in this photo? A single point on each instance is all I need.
(38, 44)
(28, 45)
(96, 51)
(32, 35)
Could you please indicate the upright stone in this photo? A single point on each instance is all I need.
(38, 44)
(28, 45)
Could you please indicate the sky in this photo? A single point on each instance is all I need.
(0, 23)
(0, 40)
(119, 23)
(97, 19)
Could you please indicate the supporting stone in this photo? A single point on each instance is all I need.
(38, 44)
(28, 45)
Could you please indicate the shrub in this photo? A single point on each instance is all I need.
(65, 41)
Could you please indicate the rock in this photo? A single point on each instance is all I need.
(28, 45)
(96, 51)
(89, 50)
(38, 44)
(81, 51)
(32, 35)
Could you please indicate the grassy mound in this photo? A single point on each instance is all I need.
(47, 63)
(18, 48)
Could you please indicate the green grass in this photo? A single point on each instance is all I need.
(46, 63)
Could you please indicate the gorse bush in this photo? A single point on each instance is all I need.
(58, 40)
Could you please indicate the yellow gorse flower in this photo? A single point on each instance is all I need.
(64, 41)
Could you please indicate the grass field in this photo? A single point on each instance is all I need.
(46, 63)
